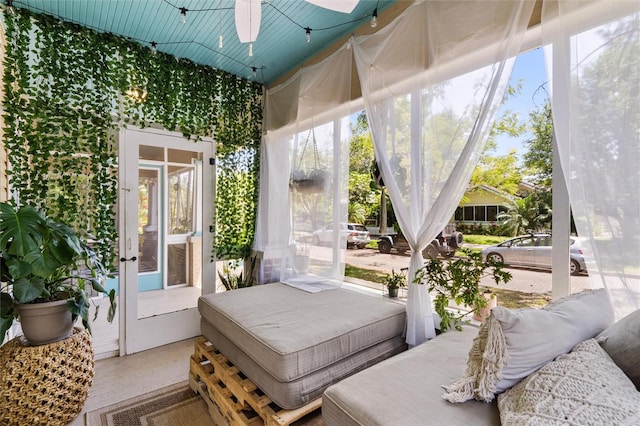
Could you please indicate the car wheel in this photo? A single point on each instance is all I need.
(431, 252)
(574, 267)
(495, 257)
(456, 240)
(384, 246)
(315, 240)
(449, 253)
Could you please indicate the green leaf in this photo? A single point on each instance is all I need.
(18, 269)
(6, 307)
(21, 231)
(25, 291)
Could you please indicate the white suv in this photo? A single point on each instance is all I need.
(355, 234)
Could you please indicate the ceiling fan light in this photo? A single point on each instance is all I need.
(344, 6)
(248, 17)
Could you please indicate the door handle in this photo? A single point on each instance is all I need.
(124, 259)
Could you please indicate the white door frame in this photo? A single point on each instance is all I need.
(140, 334)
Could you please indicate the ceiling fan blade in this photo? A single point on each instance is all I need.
(248, 17)
(344, 6)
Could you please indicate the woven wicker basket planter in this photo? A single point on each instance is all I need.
(47, 384)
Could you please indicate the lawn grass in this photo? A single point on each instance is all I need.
(484, 239)
(513, 299)
(508, 298)
(370, 275)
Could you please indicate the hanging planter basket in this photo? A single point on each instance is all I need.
(310, 181)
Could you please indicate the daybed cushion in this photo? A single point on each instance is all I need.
(406, 389)
(296, 393)
(291, 333)
(622, 342)
(513, 344)
(584, 387)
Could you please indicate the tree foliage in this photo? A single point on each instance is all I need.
(531, 213)
(538, 157)
(500, 172)
(363, 196)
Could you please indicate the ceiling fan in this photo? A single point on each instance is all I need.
(248, 14)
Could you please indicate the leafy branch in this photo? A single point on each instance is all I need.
(459, 281)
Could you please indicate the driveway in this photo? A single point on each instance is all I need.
(527, 280)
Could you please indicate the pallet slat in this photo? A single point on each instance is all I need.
(234, 396)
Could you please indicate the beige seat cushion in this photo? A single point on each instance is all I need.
(406, 389)
(296, 393)
(291, 333)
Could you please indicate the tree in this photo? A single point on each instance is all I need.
(501, 172)
(528, 213)
(363, 195)
(538, 159)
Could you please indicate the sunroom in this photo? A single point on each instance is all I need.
(176, 140)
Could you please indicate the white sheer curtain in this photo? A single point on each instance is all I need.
(304, 176)
(595, 71)
(432, 82)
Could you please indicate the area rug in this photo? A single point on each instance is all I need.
(175, 405)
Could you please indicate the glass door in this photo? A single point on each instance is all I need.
(166, 198)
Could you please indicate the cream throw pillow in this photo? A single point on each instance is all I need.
(512, 344)
(584, 387)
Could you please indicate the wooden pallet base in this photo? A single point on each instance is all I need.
(232, 398)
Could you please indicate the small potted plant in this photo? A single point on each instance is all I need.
(232, 281)
(44, 271)
(459, 281)
(394, 281)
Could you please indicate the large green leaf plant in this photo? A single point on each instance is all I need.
(42, 260)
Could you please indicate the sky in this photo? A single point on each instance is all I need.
(529, 68)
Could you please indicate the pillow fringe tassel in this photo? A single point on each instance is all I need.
(487, 357)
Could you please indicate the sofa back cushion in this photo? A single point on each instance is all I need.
(513, 344)
(582, 387)
(622, 342)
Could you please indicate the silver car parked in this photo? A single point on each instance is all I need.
(355, 234)
(533, 250)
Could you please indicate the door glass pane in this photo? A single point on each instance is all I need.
(148, 221)
(154, 153)
(184, 157)
(181, 197)
(177, 263)
(169, 232)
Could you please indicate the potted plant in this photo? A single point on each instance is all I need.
(231, 281)
(44, 271)
(459, 281)
(309, 180)
(394, 281)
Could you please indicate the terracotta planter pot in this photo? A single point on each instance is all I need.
(44, 323)
(481, 314)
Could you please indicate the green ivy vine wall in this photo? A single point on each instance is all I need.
(65, 100)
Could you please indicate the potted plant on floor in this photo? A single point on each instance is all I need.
(394, 281)
(458, 281)
(44, 270)
(232, 281)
